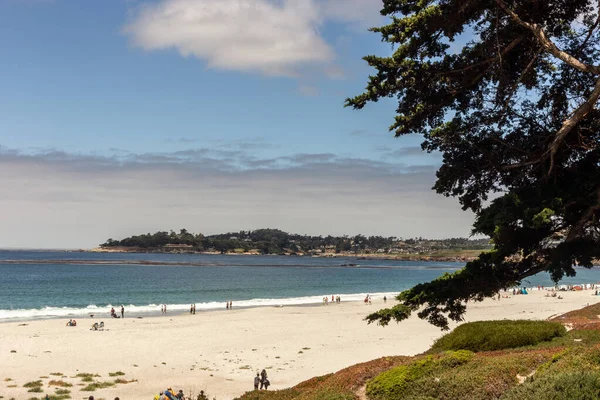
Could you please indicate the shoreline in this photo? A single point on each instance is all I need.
(152, 310)
(221, 351)
(358, 256)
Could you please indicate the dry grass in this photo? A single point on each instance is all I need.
(59, 383)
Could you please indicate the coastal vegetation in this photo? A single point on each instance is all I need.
(275, 241)
(552, 364)
(506, 91)
(498, 335)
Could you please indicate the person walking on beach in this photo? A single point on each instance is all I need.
(227, 305)
(256, 381)
(122, 311)
(191, 309)
(194, 309)
(263, 378)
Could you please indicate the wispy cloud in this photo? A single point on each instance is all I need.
(308, 90)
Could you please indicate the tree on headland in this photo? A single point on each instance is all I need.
(506, 90)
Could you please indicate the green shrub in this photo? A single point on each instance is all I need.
(498, 335)
(393, 384)
(573, 386)
(454, 375)
(36, 389)
(33, 384)
(118, 373)
(455, 358)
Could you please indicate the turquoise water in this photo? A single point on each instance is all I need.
(45, 284)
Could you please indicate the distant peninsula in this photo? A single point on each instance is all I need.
(278, 242)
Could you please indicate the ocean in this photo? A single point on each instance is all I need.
(60, 284)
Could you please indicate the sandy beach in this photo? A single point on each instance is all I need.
(221, 351)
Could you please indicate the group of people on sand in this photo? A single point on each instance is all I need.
(170, 394)
(192, 309)
(262, 380)
(334, 299)
(72, 322)
(163, 308)
(228, 305)
(368, 299)
(113, 313)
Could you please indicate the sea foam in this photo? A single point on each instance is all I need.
(139, 310)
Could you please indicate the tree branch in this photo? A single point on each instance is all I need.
(508, 48)
(584, 218)
(570, 123)
(549, 44)
(591, 31)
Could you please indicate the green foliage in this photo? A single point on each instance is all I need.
(36, 389)
(118, 373)
(275, 241)
(580, 385)
(455, 358)
(394, 384)
(452, 375)
(498, 335)
(511, 114)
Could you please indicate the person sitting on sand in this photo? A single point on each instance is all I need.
(202, 396)
(170, 394)
(70, 322)
(180, 395)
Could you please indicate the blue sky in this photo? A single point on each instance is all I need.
(252, 89)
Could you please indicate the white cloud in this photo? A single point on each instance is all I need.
(272, 37)
(242, 35)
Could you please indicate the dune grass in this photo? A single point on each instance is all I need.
(60, 383)
(97, 385)
(124, 381)
(33, 384)
(118, 373)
